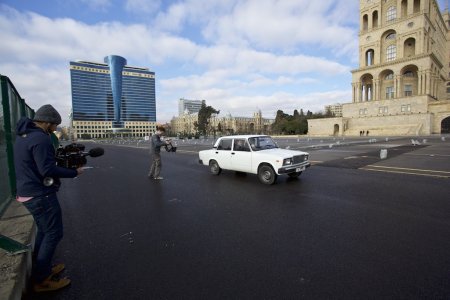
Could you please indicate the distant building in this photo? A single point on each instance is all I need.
(185, 124)
(402, 85)
(335, 109)
(112, 98)
(189, 106)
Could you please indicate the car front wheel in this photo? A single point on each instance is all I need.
(266, 174)
(214, 167)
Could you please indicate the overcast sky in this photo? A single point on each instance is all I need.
(240, 56)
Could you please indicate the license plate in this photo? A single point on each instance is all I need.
(300, 169)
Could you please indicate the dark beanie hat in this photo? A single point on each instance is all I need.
(47, 113)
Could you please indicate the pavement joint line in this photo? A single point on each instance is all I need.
(409, 173)
(398, 168)
(428, 154)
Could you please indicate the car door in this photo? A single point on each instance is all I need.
(223, 153)
(241, 156)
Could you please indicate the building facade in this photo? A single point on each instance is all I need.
(185, 124)
(335, 109)
(402, 84)
(189, 106)
(111, 98)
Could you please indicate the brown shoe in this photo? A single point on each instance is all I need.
(51, 284)
(56, 269)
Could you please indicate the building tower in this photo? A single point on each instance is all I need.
(189, 106)
(400, 85)
(112, 98)
(116, 64)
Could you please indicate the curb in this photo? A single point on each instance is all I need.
(18, 224)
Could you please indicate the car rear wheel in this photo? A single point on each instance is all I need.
(266, 174)
(294, 175)
(214, 167)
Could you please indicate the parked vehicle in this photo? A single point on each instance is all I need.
(256, 154)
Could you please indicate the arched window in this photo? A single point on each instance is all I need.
(389, 76)
(365, 22)
(369, 57)
(391, 13)
(409, 47)
(391, 53)
(404, 8)
(416, 6)
(391, 36)
(375, 19)
(408, 74)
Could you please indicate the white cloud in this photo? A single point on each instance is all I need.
(40, 85)
(272, 24)
(36, 51)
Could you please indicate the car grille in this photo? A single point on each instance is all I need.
(300, 158)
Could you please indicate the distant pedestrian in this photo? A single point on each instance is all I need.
(367, 133)
(155, 153)
(360, 133)
(37, 181)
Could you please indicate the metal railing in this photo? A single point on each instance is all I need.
(12, 108)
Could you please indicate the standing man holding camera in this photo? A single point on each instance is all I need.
(37, 181)
(155, 152)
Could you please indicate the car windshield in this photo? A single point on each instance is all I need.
(262, 143)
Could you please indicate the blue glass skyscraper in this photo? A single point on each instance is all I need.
(116, 65)
(112, 92)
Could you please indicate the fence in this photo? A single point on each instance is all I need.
(12, 108)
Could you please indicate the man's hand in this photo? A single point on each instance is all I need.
(80, 170)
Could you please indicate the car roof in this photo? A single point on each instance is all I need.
(244, 136)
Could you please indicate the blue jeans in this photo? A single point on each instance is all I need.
(47, 215)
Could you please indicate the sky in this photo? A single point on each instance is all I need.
(239, 55)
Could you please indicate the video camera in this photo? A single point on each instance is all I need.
(169, 147)
(73, 155)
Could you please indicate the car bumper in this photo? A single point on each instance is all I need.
(294, 168)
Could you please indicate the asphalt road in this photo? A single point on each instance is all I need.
(338, 232)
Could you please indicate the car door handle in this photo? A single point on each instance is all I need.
(217, 152)
(232, 153)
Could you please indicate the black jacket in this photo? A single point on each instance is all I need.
(34, 159)
(156, 144)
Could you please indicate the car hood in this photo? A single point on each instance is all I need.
(285, 153)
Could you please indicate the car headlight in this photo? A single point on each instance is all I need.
(306, 157)
(287, 161)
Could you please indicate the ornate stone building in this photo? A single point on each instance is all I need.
(185, 124)
(402, 84)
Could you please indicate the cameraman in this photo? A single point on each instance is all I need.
(36, 170)
(155, 152)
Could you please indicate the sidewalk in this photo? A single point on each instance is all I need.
(17, 224)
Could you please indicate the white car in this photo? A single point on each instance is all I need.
(256, 154)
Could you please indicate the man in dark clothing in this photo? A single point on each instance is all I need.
(155, 152)
(37, 181)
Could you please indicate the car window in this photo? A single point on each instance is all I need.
(241, 145)
(262, 143)
(225, 144)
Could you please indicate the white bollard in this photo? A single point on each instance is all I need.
(383, 153)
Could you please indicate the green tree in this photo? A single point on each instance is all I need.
(204, 116)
